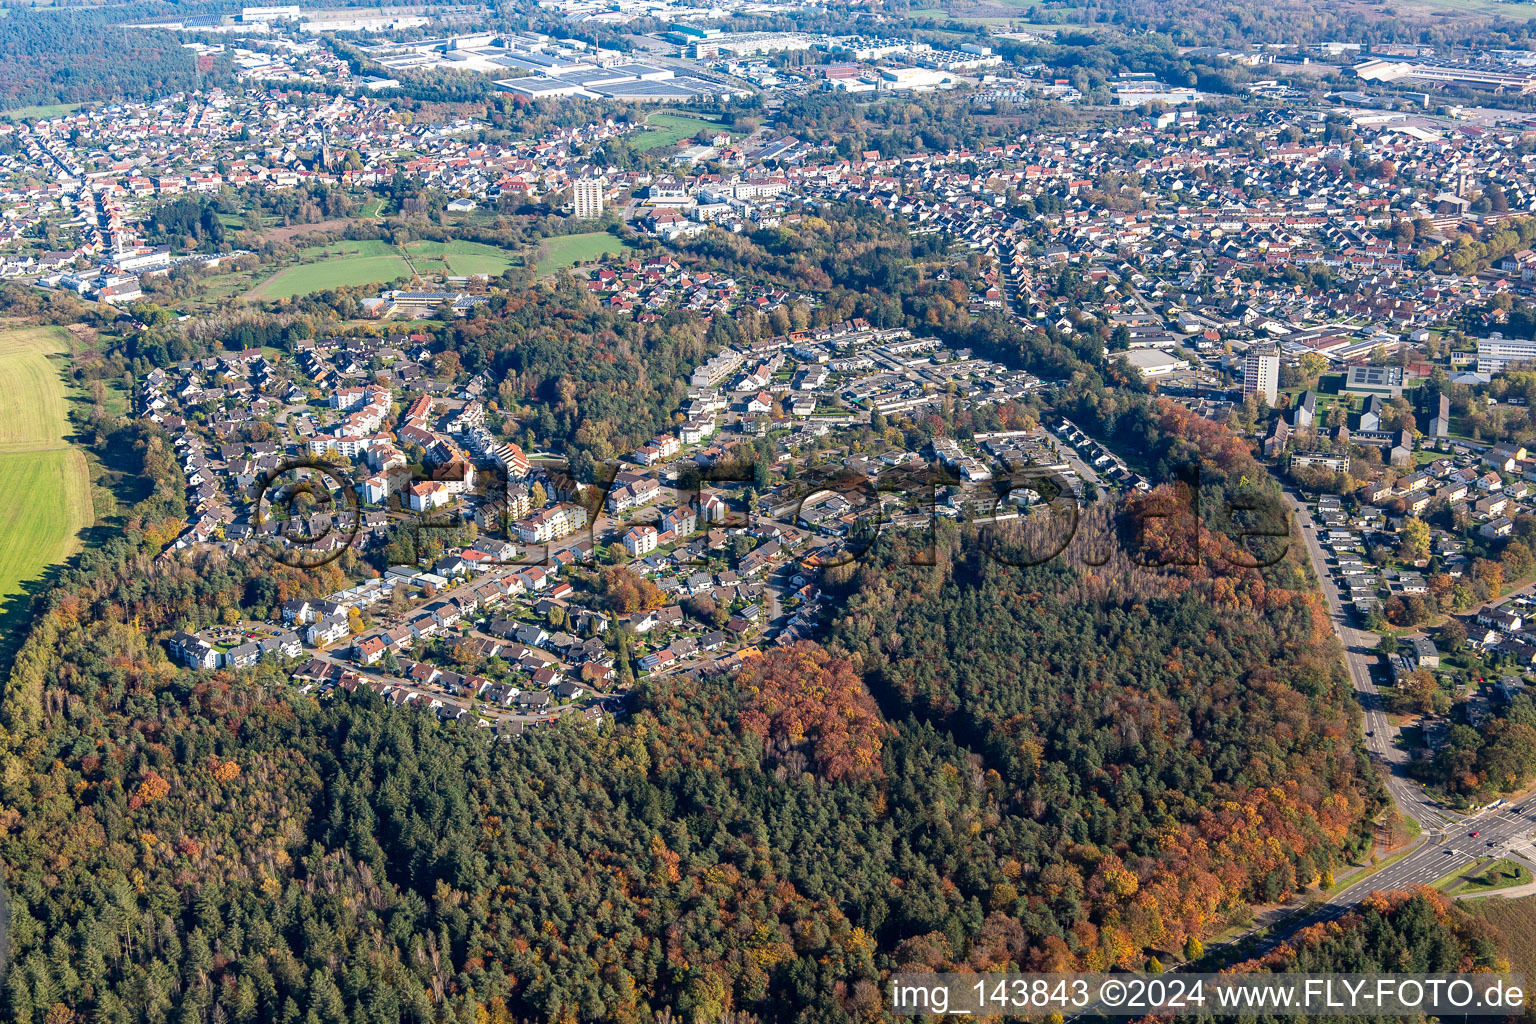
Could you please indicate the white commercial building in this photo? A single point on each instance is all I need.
(250, 15)
(1496, 354)
(1154, 363)
(1134, 94)
(916, 79)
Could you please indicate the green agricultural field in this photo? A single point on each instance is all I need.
(46, 482)
(32, 409)
(48, 503)
(342, 264)
(670, 129)
(564, 251)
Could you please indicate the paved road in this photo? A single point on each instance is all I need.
(1447, 842)
(1501, 831)
(1469, 618)
(1359, 654)
(1084, 471)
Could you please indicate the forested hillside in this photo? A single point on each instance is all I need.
(1174, 741)
(1163, 758)
(1064, 766)
(77, 56)
(176, 842)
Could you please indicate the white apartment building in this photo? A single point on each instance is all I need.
(588, 199)
(551, 523)
(1261, 375)
(640, 540)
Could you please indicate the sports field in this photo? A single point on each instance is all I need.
(567, 250)
(339, 265)
(670, 129)
(45, 486)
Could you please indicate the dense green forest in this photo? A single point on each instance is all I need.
(81, 56)
(187, 222)
(175, 842)
(1174, 739)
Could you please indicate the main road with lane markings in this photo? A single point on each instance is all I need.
(1450, 838)
(1359, 652)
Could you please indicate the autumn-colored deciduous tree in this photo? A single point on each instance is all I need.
(151, 788)
(627, 592)
(1413, 542)
(801, 700)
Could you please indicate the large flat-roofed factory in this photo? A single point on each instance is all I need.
(1448, 73)
(538, 67)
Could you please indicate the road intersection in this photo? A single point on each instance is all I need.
(1450, 838)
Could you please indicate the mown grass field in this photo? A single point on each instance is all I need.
(42, 112)
(349, 263)
(45, 484)
(557, 254)
(343, 264)
(458, 257)
(47, 502)
(670, 129)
